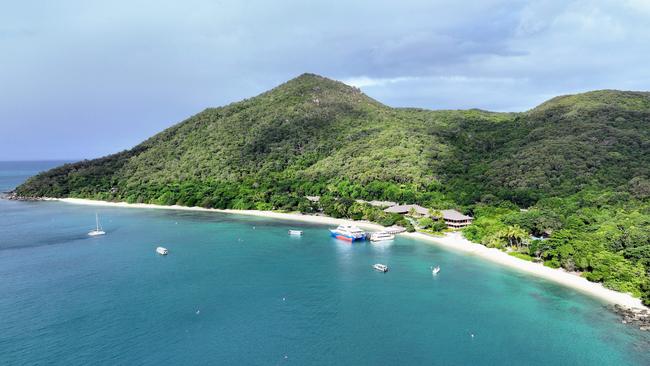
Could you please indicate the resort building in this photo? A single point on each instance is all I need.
(417, 210)
(455, 219)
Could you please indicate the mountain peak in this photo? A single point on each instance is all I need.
(316, 87)
(606, 98)
(317, 81)
(311, 76)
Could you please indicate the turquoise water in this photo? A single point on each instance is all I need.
(239, 291)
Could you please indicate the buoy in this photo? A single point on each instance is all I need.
(198, 312)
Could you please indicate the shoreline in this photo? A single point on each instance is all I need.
(453, 241)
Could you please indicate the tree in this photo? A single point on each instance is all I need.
(425, 222)
(640, 187)
(436, 214)
(514, 235)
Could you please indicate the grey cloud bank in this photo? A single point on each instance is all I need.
(83, 79)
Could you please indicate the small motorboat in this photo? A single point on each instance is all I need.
(98, 228)
(162, 251)
(380, 267)
(381, 236)
(435, 270)
(295, 232)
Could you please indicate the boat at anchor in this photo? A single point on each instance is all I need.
(98, 228)
(348, 232)
(381, 236)
(380, 267)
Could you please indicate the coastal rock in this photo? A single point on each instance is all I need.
(12, 195)
(635, 317)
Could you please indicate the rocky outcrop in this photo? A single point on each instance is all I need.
(12, 195)
(635, 317)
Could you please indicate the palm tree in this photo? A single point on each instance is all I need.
(515, 235)
(435, 214)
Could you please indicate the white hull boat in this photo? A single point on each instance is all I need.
(295, 232)
(380, 267)
(381, 236)
(434, 271)
(98, 228)
(162, 251)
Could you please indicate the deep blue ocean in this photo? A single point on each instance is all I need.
(239, 291)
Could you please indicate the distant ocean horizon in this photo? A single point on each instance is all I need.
(14, 172)
(238, 290)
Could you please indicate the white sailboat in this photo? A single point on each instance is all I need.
(98, 228)
(435, 270)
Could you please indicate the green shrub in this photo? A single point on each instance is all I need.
(523, 256)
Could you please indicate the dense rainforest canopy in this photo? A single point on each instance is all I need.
(573, 172)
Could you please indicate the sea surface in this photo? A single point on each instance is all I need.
(239, 291)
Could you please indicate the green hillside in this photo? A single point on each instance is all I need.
(579, 164)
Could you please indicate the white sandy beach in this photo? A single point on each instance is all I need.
(453, 241)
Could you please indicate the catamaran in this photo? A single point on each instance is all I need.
(348, 232)
(98, 228)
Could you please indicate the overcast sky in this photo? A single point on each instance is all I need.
(81, 79)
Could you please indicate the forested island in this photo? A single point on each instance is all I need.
(566, 183)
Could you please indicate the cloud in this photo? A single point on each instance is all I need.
(364, 81)
(72, 67)
(368, 82)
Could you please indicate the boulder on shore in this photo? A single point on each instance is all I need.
(633, 316)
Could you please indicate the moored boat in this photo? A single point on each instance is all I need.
(295, 232)
(380, 267)
(98, 228)
(162, 251)
(348, 232)
(381, 236)
(435, 270)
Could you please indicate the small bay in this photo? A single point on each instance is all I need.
(238, 290)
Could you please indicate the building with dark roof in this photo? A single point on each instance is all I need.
(455, 219)
(408, 209)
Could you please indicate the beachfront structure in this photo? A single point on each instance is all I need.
(395, 229)
(455, 219)
(416, 210)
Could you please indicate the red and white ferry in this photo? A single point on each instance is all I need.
(348, 232)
